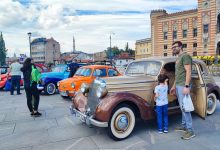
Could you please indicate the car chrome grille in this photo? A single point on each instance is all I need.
(93, 100)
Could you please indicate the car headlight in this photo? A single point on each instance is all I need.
(84, 88)
(58, 83)
(42, 81)
(101, 91)
(72, 85)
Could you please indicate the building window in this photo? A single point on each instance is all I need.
(194, 45)
(184, 45)
(164, 54)
(165, 47)
(195, 32)
(205, 28)
(194, 53)
(174, 34)
(184, 33)
(165, 35)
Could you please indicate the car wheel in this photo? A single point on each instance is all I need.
(122, 123)
(50, 89)
(211, 103)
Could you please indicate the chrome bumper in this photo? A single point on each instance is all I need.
(87, 119)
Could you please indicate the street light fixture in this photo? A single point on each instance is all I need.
(111, 33)
(29, 35)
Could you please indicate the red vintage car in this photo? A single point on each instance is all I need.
(4, 76)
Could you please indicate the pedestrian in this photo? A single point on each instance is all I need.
(31, 79)
(15, 71)
(161, 99)
(73, 68)
(181, 87)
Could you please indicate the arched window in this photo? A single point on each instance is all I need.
(218, 23)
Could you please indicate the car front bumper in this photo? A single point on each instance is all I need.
(89, 120)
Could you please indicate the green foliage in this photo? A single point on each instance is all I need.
(2, 50)
(115, 51)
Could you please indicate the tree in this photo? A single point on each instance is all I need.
(113, 52)
(2, 50)
(126, 47)
(129, 50)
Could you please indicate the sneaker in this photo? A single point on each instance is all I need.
(180, 128)
(32, 113)
(165, 131)
(37, 114)
(160, 131)
(188, 135)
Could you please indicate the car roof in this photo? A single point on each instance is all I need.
(97, 66)
(166, 59)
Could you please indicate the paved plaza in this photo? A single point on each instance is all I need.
(58, 130)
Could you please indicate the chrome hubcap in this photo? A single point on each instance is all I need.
(210, 103)
(50, 88)
(122, 122)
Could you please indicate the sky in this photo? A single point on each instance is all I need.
(91, 22)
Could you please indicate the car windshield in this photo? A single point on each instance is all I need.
(83, 72)
(59, 69)
(143, 67)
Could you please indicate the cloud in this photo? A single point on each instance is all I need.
(90, 21)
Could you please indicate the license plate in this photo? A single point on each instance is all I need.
(63, 93)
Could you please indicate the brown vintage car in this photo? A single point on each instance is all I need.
(117, 102)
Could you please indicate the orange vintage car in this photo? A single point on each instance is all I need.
(86, 74)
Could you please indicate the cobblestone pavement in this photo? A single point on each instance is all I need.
(58, 130)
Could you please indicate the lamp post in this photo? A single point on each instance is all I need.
(29, 35)
(110, 38)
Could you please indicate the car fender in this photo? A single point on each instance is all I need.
(112, 100)
(213, 88)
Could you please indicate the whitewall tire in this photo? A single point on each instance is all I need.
(211, 103)
(122, 122)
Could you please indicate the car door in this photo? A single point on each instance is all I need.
(198, 91)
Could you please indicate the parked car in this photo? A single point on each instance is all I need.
(4, 77)
(117, 102)
(49, 80)
(86, 74)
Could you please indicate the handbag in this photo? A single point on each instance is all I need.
(187, 103)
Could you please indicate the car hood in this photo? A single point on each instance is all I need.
(130, 83)
(52, 75)
(73, 79)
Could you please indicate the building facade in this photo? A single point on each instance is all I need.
(143, 48)
(198, 29)
(45, 50)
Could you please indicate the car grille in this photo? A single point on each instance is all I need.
(93, 100)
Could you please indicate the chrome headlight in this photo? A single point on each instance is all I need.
(58, 83)
(84, 88)
(101, 91)
(73, 85)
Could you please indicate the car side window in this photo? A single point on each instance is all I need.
(194, 70)
(99, 73)
(112, 72)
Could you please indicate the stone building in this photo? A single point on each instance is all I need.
(45, 50)
(198, 29)
(143, 48)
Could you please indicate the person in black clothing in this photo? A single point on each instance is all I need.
(30, 88)
(73, 68)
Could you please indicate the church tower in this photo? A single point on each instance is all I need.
(74, 46)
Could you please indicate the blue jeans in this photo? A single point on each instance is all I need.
(162, 117)
(186, 116)
(15, 81)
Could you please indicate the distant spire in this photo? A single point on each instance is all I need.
(74, 46)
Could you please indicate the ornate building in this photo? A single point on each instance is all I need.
(198, 29)
(143, 48)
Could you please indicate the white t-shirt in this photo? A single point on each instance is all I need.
(162, 99)
(16, 69)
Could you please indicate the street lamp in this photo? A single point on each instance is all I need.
(111, 33)
(29, 35)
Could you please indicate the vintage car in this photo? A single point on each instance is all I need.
(85, 74)
(49, 80)
(116, 103)
(4, 77)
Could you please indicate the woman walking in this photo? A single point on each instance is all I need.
(31, 78)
